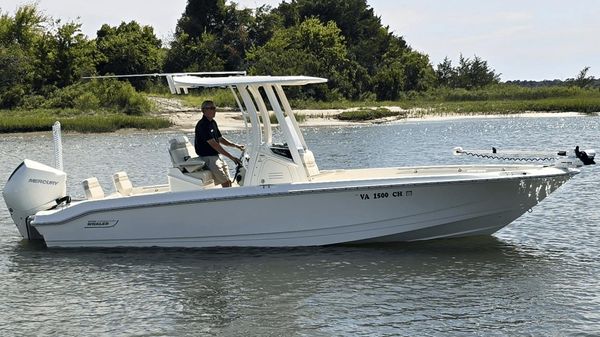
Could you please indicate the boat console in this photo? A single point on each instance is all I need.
(282, 150)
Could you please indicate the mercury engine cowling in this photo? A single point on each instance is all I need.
(31, 188)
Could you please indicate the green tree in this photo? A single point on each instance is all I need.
(18, 37)
(388, 81)
(474, 73)
(234, 37)
(43, 54)
(482, 74)
(402, 70)
(265, 23)
(74, 54)
(365, 37)
(23, 29)
(383, 62)
(468, 74)
(212, 35)
(128, 49)
(42, 60)
(445, 73)
(419, 73)
(14, 72)
(582, 80)
(310, 48)
(194, 54)
(201, 16)
(226, 25)
(60, 57)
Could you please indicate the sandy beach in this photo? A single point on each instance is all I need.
(185, 118)
(186, 121)
(232, 120)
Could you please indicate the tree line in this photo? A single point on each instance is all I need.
(42, 60)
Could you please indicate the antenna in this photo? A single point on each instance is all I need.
(57, 137)
(175, 89)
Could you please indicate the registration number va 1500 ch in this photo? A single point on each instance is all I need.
(384, 195)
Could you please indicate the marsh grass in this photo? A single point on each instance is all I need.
(342, 104)
(568, 100)
(511, 92)
(300, 118)
(493, 99)
(368, 114)
(82, 123)
(498, 99)
(586, 105)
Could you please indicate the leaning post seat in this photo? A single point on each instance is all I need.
(183, 155)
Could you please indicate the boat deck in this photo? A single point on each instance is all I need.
(414, 172)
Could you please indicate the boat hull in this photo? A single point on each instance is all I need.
(302, 215)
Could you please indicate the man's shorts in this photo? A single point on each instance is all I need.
(218, 167)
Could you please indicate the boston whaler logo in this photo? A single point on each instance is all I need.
(101, 223)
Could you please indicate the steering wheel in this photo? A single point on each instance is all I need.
(237, 177)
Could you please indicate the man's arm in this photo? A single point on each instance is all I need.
(215, 145)
(226, 142)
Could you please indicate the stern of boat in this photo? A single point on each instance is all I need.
(33, 187)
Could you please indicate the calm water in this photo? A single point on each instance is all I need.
(539, 277)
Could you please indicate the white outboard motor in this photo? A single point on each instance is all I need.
(31, 188)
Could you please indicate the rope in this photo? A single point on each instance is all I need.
(523, 158)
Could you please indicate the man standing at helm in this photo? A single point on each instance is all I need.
(208, 144)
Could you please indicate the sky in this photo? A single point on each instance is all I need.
(520, 39)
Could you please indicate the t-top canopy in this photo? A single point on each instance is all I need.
(195, 81)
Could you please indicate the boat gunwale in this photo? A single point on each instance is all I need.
(383, 184)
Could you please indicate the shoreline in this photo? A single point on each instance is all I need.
(185, 120)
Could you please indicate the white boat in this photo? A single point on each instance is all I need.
(281, 197)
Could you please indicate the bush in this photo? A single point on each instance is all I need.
(86, 102)
(12, 97)
(120, 96)
(367, 114)
(31, 102)
(108, 94)
(137, 105)
(64, 98)
(221, 97)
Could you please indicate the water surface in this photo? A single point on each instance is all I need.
(538, 277)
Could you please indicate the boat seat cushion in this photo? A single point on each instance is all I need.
(191, 164)
(205, 175)
(183, 155)
(308, 159)
(92, 188)
(122, 183)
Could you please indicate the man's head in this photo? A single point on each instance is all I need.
(209, 109)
